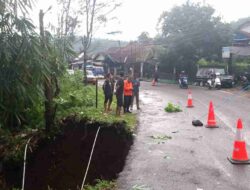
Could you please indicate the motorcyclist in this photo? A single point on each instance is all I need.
(245, 81)
(183, 76)
(214, 81)
(213, 77)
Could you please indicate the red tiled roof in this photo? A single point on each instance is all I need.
(132, 53)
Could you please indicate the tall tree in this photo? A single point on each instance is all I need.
(144, 38)
(95, 13)
(191, 32)
(67, 18)
(29, 66)
(54, 52)
(16, 6)
(20, 69)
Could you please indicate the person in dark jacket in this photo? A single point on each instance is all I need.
(156, 77)
(136, 86)
(108, 93)
(119, 94)
(112, 82)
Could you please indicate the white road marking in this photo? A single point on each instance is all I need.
(215, 160)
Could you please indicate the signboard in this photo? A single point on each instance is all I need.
(225, 52)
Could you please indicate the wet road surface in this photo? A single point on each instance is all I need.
(189, 158)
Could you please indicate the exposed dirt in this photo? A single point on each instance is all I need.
(61, 164)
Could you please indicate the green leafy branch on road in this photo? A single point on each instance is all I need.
(139, 187)
(172, 108)
(161, 137)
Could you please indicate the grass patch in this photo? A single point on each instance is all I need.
(172, 108)
(80, 100)
(102, 185)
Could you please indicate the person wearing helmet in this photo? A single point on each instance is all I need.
(182, 74)
(183, 80)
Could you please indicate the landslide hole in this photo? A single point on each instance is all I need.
(61, 164)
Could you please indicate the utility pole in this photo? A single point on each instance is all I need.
(230, 63)
(120, 49)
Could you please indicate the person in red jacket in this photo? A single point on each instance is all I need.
(128, 93)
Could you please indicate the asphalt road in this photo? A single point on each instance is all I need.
(195, 158)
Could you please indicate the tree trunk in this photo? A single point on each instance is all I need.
(49, 113)
(85, 66)
(230, 63)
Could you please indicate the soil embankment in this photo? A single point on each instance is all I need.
(61, 163)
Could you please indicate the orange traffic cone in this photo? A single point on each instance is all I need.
(190, 100)
(153, 82)
(239, 153)
(211, 122)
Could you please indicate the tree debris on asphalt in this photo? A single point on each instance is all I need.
(140, 187)
(161, 137)
(171, 108)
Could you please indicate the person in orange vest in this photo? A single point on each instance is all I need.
(128, 93)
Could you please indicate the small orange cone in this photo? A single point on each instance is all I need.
(211, 122)
(153, 82)
(190, 100)
(239, 155)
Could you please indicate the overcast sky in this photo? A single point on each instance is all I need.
(136, 16)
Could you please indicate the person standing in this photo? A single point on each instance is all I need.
(112, 83)
(108, 93)
(119, 94)
(128, 92)
(136, 85)
(156, 77)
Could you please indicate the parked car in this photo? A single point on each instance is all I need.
(203, 74)
(91, 78)
(98, 71)
(227, 81)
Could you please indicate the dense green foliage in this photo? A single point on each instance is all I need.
(20, 73)
(203, 62)
(191, 32)
(25, 64)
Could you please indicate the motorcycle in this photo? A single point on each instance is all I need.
(245, 83)
(183, 82)
(214, 83)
